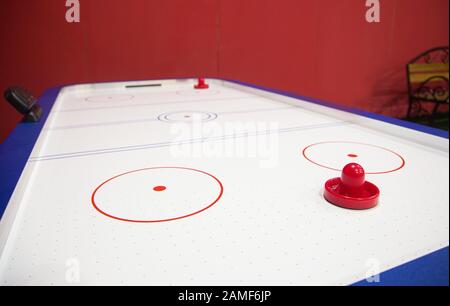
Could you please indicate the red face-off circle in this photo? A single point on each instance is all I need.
(334, 155)
(108, 98)
(157, 189)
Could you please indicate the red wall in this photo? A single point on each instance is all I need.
(116, 40)
(325, 49)
(319, 48)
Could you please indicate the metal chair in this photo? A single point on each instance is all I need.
(428, 84)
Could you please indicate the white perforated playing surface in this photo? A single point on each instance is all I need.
(167, 185)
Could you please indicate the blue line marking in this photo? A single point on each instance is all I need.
(124, 122)
(183, 142)
(88, 125)
(390, 120)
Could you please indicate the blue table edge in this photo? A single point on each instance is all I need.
(429, 270)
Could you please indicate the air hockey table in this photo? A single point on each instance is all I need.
(159, 183)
